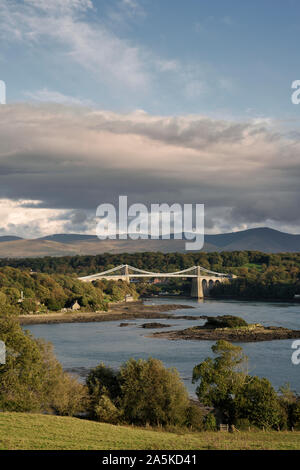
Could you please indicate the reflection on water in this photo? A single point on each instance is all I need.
(81, 346)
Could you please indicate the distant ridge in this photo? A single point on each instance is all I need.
(256, 239)
(261, 239)
(9, 238)
(68, 238)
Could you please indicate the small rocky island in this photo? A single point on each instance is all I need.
(230, 328)
(152, 325)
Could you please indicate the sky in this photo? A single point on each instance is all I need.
(161, 100)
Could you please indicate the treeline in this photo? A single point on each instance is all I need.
(23, 292)
(238, 262)
(259, 288)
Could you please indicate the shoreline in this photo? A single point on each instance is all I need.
(116, 312)
(236, 299)
(233, 335)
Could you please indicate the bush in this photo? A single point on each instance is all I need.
(106, 411)
(194, 418)
(103, 379)
(210, 422)
(294, 415)
(28, 306)
(243, 424)
(225, 321)
(54, 304)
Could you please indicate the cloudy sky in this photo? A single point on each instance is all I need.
(160, 100)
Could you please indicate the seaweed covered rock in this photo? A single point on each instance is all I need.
(155, 325)
(224, 321)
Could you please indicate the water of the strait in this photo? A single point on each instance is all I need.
(81, 346)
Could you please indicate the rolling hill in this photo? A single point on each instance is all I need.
(257, 239)
(28, 431)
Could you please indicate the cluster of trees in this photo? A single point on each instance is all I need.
(32, 380)
(142, 392)
(265, 286)
(242, 399)
(43, 292)
(261, 275)
(145, 392)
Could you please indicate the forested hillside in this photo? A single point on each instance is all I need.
(23, 291)
(260, 275)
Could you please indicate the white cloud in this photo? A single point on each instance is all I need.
(18, 219)
(62, 6)
(51, 96)
(72, 37)
(89, 44)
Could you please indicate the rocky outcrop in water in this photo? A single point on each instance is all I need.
(155, 325)
(238, 331)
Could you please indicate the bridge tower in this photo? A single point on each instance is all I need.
(197, 288)
(126, 272)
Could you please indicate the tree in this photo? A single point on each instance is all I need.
(221, 378)
(290, 402)
(102, 382)
(28, 306)
(258, 402)
(152, 394)
(32, 379)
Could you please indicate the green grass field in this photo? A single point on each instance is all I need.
(42, 432)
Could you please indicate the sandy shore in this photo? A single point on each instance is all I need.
(122, 311)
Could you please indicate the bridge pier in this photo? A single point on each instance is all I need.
(197, 288)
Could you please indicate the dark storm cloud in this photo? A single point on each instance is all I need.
(75, 159)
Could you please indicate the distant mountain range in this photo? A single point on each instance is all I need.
(260, 239)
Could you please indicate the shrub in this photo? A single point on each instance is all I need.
(195, 418)
(225, 321)
(210, 422)
(294, 415)
(28, 306)
(243, 424)
(106, 411)
(104, 392)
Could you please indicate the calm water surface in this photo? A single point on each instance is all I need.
(84, 345)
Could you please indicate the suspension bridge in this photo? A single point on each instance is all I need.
(203, 280)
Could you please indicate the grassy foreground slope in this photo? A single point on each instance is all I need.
(42, 432)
